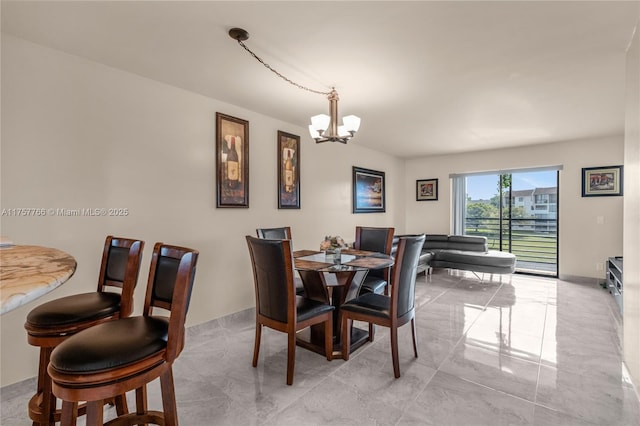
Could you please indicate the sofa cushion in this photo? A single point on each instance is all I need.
(425, 255)
(490, 258)
(474, 267)
(372, 284)
(456, 242)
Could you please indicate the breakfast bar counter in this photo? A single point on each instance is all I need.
(29, 272)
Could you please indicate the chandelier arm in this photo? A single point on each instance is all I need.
(280, 75)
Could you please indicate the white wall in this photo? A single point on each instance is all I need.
(79, 134)
(631, 272)
(582, 242)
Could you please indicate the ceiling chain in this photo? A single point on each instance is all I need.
(280, 75)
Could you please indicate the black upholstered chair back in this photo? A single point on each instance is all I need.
(272, 263)
(283, 233)
(403, 282)
(375, 239)
(120, 267)
(171, 276)
(116, 264)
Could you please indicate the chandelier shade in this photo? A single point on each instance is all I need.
(325, 128)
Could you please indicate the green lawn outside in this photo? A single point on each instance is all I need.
(527, 246)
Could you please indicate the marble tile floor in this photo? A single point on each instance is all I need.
(505, 350)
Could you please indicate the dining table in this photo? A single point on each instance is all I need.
(28, 272)
(335, 278)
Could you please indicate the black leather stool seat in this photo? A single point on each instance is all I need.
(307, 308)
(370, 304)
(111, 344)
(73, 310)
(373, 284)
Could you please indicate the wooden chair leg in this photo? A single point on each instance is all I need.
(169, 398)
(414, 335)
(291, 356)
(141, 400)
(328, 337)
(43, 407)
(122, 407)
(95, 414)
(69, 413)
(256, 344)
(346, 337)
(394, 351)
(372, 331)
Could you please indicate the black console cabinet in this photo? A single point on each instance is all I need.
(614, 279)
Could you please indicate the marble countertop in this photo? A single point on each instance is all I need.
(28, 272)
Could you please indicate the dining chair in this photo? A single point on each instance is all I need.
(283, 233)
(379, 240)
(115, 357)
(389, 311)
(277, 305)
(51, 323)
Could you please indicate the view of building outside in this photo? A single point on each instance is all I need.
(517, 213)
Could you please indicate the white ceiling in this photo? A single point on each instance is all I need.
(425, 77)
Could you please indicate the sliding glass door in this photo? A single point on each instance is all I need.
(517, 211)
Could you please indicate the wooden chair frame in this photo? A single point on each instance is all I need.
(42, 406)
(393, 322)
(99, 386)
(387, 246)
(292, 326)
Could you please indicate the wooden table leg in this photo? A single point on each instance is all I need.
(316, 288)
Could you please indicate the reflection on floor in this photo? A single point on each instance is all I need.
(508, 350)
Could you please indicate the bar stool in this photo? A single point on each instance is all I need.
(53, 322)
(112, 358)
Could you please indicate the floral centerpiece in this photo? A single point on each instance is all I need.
(331, 244)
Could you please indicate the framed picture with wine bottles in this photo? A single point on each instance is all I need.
(288, 171)
(232, 161)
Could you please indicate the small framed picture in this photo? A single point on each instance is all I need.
(368, 191)
(427, 190)
(232, 161)
(602, 181)
(288, 171)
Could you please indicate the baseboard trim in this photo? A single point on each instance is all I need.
(580, 280)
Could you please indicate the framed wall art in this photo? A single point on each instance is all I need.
(368, 191)
(232, 161)
(288, 171)
(427, 190)
(602, 181)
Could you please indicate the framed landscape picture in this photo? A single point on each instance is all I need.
(368, 191)
(232, 161)
(427, 190)
(288, 171)
(602, 181)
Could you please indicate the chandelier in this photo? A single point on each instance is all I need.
(323, 128)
